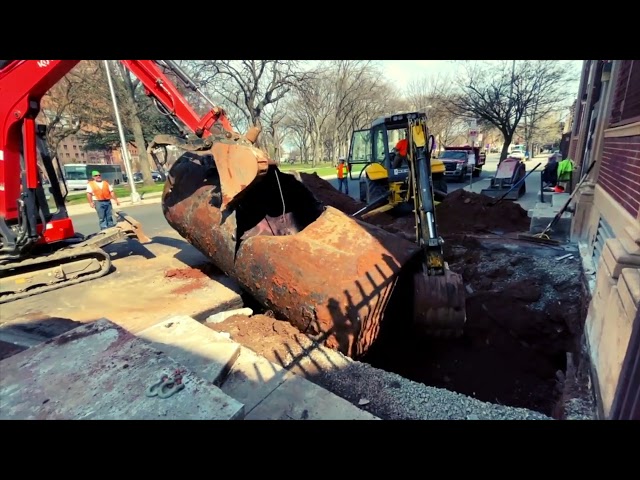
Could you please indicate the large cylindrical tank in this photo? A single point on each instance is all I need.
(325, 272)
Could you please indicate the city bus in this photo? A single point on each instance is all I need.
(77, 175)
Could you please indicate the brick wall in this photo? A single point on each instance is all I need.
(620, 171)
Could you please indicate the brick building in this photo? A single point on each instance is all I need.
(70, 150)
(606, 222)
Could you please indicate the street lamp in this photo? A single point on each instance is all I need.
(135, 197)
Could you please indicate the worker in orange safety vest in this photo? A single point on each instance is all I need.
(100, 193)
(343, 176)
(400, 153)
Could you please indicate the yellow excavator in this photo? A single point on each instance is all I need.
(407, 179)
(384, 179)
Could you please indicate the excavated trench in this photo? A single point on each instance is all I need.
(525, 308)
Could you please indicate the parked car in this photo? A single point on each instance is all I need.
(517, 154)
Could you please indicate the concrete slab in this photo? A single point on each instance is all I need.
(629, 290)
(270, 392)
(559, 199)
(20, 339)
(541, 219)
(546, 195)
(617, 258)
(207, 353)
(299, 399)
(253, 378)
(100, 371)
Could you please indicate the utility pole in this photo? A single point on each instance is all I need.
(135, 197)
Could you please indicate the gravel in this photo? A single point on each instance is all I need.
(392, 397)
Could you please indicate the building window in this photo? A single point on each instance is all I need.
(67, 155)
(82, 155)
(76, 155)
(64, 146)
(626, 96)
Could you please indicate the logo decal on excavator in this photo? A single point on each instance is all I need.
(43, 63)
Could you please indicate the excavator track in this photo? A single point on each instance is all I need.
(70, 265)
(45, 273)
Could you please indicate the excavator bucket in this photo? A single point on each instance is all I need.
(131, 227)
(439, 303)
(239, 164)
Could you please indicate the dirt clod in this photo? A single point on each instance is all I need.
(277, 340)
(195, 276)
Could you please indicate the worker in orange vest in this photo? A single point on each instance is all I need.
(100, 194)
(343, 173)
(400, 153)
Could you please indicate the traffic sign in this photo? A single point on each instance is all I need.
(473, 133)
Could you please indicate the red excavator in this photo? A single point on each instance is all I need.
(40, 249)
(229, 200)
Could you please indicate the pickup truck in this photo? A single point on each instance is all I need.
(456, 162)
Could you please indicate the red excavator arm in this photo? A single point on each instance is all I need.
(23, 83)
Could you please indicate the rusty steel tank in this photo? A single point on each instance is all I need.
(328, 274)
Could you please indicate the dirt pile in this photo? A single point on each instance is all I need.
(277, 340)
(460, 212)
(327, 194)
(468, 212)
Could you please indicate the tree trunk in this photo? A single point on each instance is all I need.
(507, 141)
(145, 166)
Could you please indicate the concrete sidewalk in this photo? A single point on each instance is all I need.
(101, 371)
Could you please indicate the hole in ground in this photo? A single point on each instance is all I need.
(523, 316)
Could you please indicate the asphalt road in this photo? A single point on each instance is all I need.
(153, 221)
(150, 216)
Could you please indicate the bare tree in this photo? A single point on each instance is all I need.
(71, 107)
(503, 92)
(250, 85)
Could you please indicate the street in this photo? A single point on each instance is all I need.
(527, 201)
(154, 223)
(150, 216)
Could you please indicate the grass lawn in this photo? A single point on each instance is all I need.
(121, 192)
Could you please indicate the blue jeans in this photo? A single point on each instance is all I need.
(345, 182)
(105, 213)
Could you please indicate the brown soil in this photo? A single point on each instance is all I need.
(523, 315)
(276, 340)
(327, 194)
(468, 212)
(460, 212)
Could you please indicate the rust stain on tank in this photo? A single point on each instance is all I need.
(313, 265)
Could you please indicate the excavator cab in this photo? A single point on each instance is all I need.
(384, 178)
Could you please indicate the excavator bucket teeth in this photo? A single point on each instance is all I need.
(439, 304)
(131, 226)
(238, 166)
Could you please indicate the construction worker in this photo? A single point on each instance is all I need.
(343, 176)
(100, 193)
(400, 152)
